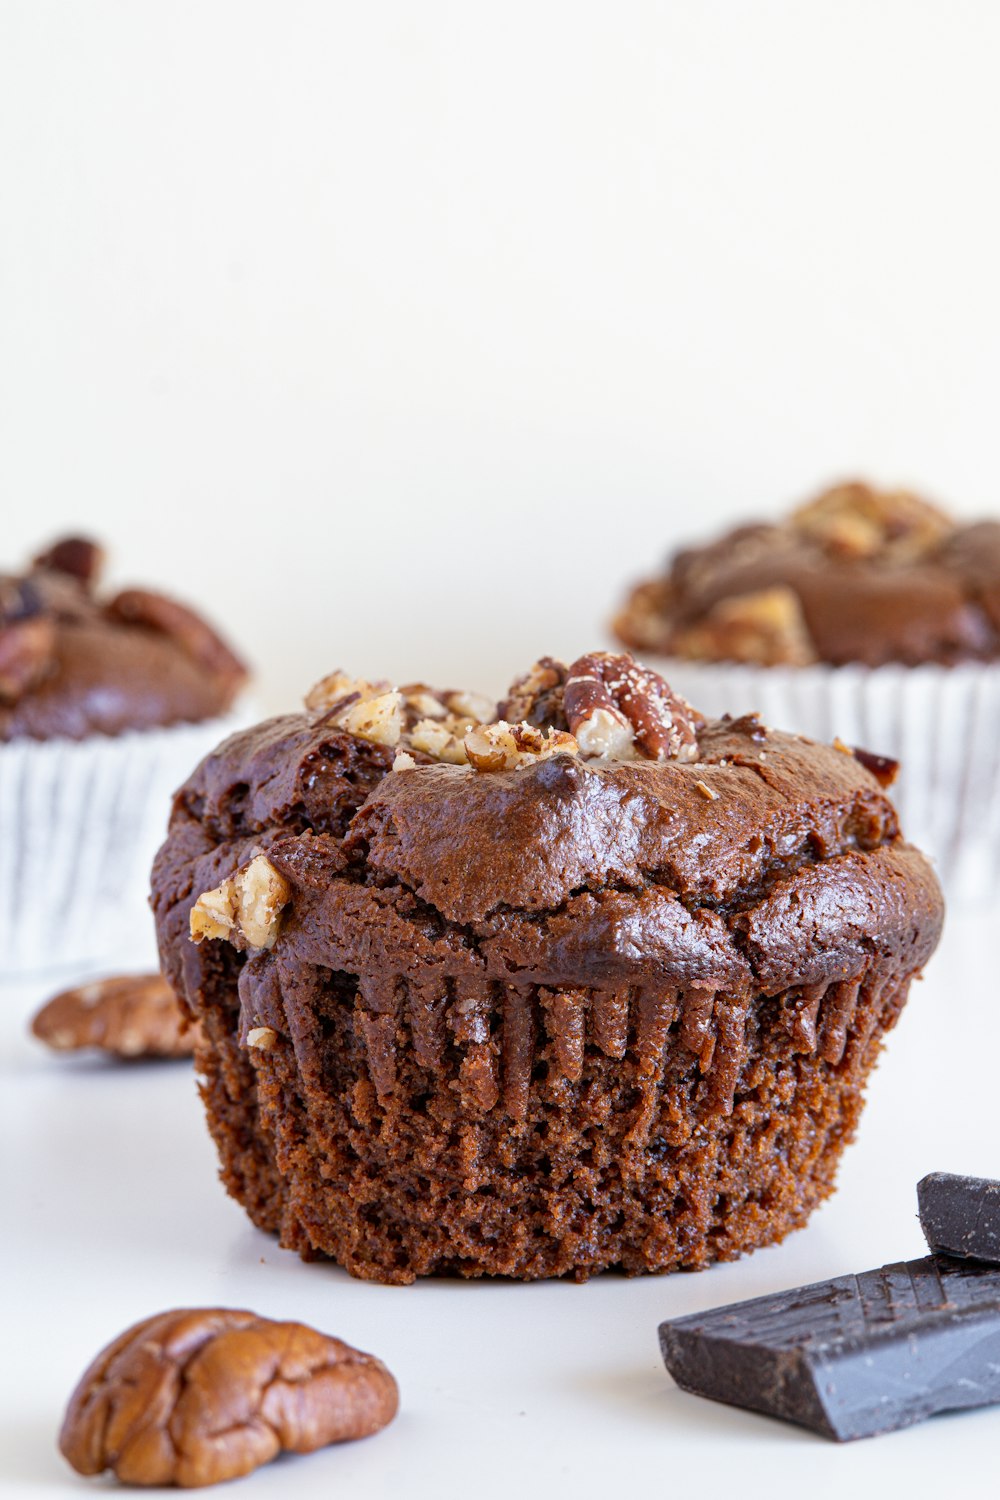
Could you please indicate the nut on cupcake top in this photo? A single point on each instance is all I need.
(856, 575)
(74, 662)
(592, 823)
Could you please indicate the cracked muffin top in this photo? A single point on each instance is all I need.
(856, 575)
(74, 663)
(591, 827)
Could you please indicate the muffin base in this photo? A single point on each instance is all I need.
(530, 1132)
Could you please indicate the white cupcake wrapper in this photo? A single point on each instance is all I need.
(941, 723)
(80, 822)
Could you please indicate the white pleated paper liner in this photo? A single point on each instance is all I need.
(941, 723)
(80, 822)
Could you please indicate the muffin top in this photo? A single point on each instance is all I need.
(74, 663)
(856, 575)
(596, 829)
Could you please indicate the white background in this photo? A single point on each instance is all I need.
(401, 336)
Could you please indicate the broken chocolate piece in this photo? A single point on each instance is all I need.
(854, 1356)
(960, 1215)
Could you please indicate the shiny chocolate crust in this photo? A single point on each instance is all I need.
(74, 662)
(578, 1015)
(857, 575)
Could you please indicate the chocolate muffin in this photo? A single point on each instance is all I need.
(594, 985)
(869, 615)
(856, 575)
(74, 663)
(106, 701)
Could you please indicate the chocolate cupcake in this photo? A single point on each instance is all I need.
(106, 701)
(597, 984)
(868, 615)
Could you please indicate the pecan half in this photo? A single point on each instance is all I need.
(617, 709)
(131, 1015)
(766, 628)
(192, 634)
(512, 747)
(203, 1395)
(245, 909)
(76, 556)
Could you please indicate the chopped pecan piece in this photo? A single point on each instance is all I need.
(856, 521)
(76, 556)
(370, 710)
(537, 697)
(203, 1395)
(193, 634)
(766, 628)
(617, 710)
(131, 1015)
(511, 747)
(333, 691)
(245, 909)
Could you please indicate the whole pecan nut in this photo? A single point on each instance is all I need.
(203, 1395)
(192, 634)
(617, 709)
(131, 1015)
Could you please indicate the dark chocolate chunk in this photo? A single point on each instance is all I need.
(960, 1215)
(851, 1357)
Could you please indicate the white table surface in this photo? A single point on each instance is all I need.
(112, 1211)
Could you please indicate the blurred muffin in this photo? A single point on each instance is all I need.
(597, 984)
(869, 615)
(105, 704)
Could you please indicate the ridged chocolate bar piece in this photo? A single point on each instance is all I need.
(854, 1356)
(961, 1215)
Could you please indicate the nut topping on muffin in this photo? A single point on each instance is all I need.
(856, 521)
(619, 710)
(246, 908)
(511, 747)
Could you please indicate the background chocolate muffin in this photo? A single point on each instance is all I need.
(865, 614)
(856, 575)
(106, 701)
(599, 987)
